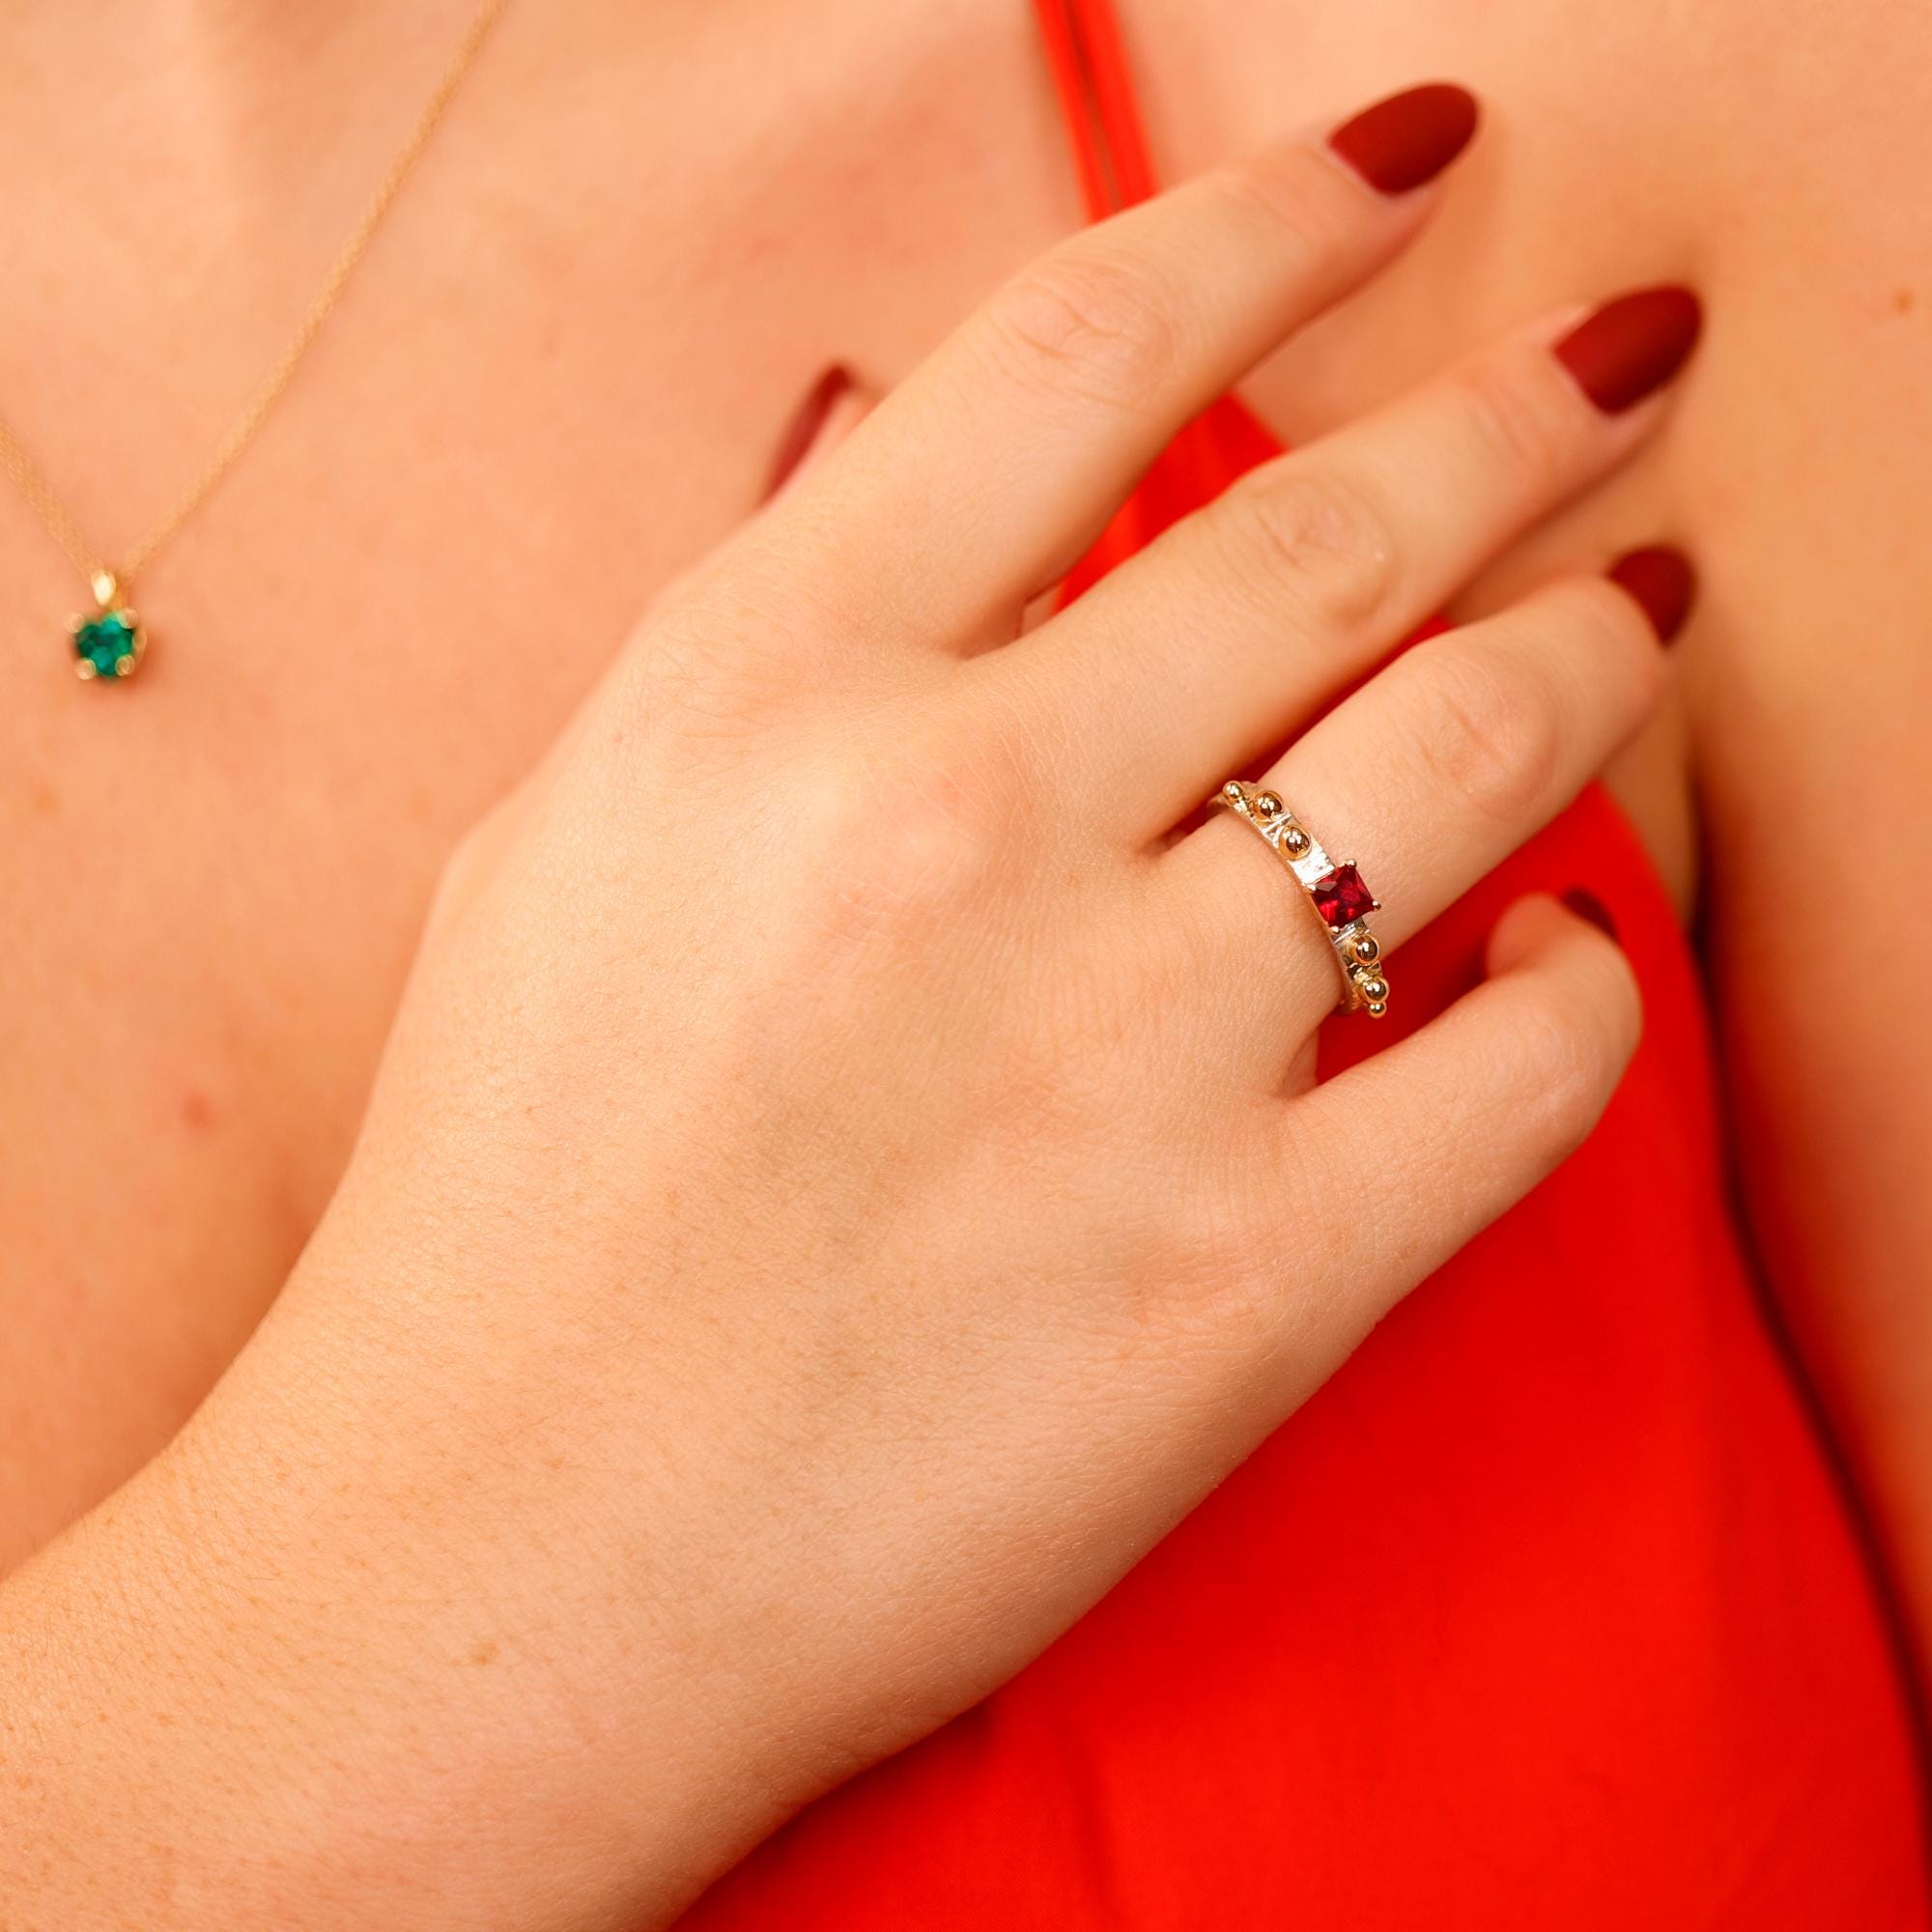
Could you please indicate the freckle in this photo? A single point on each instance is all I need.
(44, 799)
(484, 1653)
(1904, 301)
(198, 1111)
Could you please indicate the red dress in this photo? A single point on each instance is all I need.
(1547, 1611)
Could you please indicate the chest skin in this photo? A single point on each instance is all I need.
(560, 375)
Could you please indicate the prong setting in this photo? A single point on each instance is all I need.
(1338, 893)
(108, 645)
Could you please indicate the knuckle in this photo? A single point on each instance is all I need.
(1509, 415)
(1486, 733)
(902, 850)
(1090, 324)
(1321, 540)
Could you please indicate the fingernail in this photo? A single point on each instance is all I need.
(1663, 581)
(1587, 905)
(1631, 345)
(803, 430)
(1409, 138)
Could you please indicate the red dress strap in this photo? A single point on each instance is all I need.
(1103, 125)
(1097, 95)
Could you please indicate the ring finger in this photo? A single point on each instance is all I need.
(1430, 776)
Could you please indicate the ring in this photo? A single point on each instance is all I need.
(1336, 894)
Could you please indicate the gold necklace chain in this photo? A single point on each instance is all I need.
(47, 504)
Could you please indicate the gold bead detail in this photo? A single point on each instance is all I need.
(1376, 1009)
(1296, 840)
(1375, 991)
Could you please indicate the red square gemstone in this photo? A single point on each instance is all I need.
(1340, 895)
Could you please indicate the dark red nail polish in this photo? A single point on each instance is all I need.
(1631, 345)
(1409, 138)
(803, 430)
(1663, 581)
(1587, 905)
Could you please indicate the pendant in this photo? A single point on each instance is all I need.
(110, 644)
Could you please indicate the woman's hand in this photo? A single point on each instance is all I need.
(845, 1178)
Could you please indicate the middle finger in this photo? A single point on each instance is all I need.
(1218, 641)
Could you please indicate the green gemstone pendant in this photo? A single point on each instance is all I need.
(109, 643)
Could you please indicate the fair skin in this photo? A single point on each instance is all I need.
(554, 388)
(658, 1425)
(214, 1059)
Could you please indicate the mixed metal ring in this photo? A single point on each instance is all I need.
(1336, 894)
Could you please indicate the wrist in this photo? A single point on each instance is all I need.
(271, 1682)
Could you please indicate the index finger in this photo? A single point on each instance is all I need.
(977, 482)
